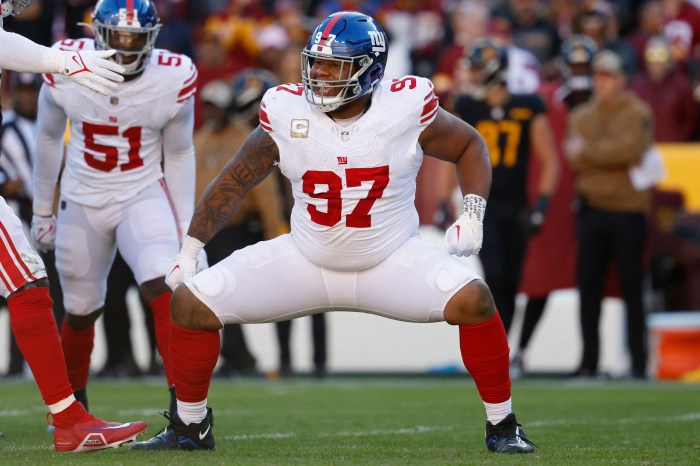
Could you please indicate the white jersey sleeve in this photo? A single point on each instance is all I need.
(353, 185)
(116, 142)
(51, 126)
(21, 54)
(179, 164)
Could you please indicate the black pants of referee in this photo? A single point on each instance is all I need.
(604, 236)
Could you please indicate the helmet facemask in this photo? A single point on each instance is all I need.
(329, 95)
(133, 43)
(15, 7)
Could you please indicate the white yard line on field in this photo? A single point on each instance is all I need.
(611, 421)
(359, 433)
(688, 417)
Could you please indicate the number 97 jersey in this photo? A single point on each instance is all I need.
(116, 141)
(353, 182)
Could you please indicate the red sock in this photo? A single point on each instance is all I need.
(35, 330)
(160, 306)
(194, 354)
(72, 415)
(485, 352)
(77, 346)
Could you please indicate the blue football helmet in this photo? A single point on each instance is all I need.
(128, 26)
(360, 47)
(14, 7)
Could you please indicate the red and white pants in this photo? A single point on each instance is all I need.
(19, 262)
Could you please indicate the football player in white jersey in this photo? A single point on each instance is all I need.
(351, 147)
(23, 280)
(114, 191)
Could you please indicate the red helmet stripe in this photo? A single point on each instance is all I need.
(329, 27)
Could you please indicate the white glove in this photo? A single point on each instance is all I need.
(91, 69)
(43, 232)
(202, 260)
(184, 266)
(466, 234)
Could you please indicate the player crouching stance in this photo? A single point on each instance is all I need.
(351, 147)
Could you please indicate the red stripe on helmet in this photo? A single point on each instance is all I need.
(130, 11)
(329, 27)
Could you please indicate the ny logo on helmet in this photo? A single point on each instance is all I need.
(378, 41)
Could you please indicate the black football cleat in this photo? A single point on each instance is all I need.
(507, 437)
(178, 436)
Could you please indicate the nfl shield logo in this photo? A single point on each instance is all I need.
(114, 100)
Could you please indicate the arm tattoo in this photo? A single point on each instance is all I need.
(220, 201)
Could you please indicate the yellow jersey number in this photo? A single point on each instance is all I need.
(491, 132)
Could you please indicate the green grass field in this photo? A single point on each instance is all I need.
(390, 420)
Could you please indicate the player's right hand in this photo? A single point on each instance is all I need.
(184, 266)
(182, 269)
(90, 68)
(43, 232)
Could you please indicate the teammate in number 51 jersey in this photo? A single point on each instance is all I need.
(114, 192)
(351, 146)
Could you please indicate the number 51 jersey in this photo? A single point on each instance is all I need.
(115, 147)
(353, 182)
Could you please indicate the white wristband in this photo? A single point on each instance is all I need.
(191, 247)
(41, 211)
(474, 207)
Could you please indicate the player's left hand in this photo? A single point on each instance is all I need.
(91, 69)
(465, 236)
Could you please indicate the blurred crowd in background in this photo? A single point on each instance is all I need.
(427, 37)
(243, 47)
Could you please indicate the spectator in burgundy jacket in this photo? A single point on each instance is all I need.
(668, 92)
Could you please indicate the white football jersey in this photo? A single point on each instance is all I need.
(353, 186)
(115, 147)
